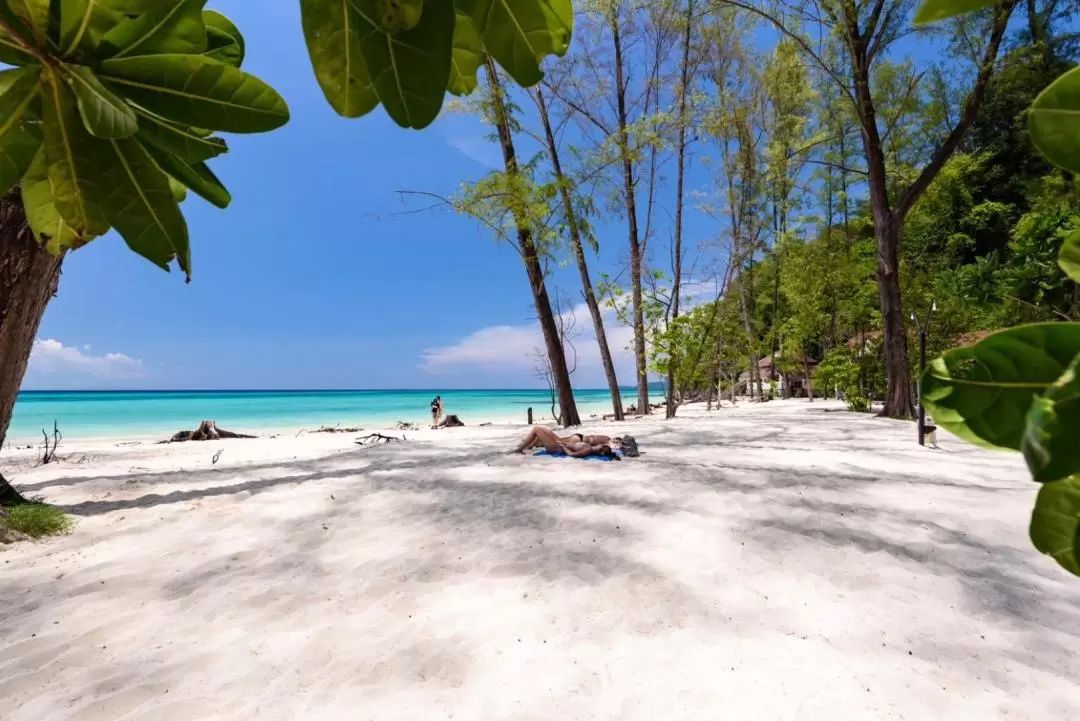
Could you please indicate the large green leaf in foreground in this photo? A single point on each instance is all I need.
(410, 70)
(1054, 121)
(1051, 446)
(139, 203)
(519, 35)
(982, 393)
(1055, 522)
(467, 55)
(198, 91)
(72, 169)
(45, 220)
(103, 113)
(1069, 256)
(332, 30)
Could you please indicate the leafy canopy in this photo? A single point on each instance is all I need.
(109, 112)
(109, 116)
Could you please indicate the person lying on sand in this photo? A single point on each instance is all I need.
(576, 445)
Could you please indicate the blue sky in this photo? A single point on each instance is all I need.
(313, 278)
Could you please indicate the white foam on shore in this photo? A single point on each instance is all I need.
(763, 562)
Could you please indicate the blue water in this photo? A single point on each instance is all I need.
(141, 414)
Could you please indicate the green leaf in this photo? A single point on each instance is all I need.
(179, 192)
(467, 55)
(1055, 523)
(35, 13)
(139, 203)
(332, 32)
(68, 148)
(19, 140)
(933, 10)
(223, 39)
(198, 91)
(410, 70)
(45, 220)
(1054, 121)
(1050, 446)
(182, 142)
(196, 176)
(391, 16)
(1069, 256)
(982, 393)
(520, 34)
(103, 114)
(83, 24)
(175, 27)
(11, 52)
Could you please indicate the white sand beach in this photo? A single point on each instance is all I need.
(777, 561)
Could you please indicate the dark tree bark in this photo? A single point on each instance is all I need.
(680, 172)
(28, 280)
(863, 38)
(579, 255)
(533, 267)
(629, 189)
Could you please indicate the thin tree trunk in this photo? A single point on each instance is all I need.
(806, 371)
(680, 171)
(631, 219)
(552, 339)
(579, 254)
(28, 280)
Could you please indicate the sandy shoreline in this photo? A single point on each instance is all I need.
(768, 562)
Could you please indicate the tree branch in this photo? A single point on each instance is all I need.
(971, 108)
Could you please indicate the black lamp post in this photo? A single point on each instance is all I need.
(924, 328)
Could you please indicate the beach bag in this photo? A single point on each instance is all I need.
(629, 447)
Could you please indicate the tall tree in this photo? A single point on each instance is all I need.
(682, 121)
(866, 31)
(530, 254)
(574, 230)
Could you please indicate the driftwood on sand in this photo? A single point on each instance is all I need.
(375, 438)
(207, 431)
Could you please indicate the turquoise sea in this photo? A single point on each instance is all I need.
(158, 414)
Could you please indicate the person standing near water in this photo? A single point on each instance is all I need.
(436, 411)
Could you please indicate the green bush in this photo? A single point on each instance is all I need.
(38, 519)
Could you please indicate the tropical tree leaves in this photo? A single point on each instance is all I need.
(1049, 445)
(410, 70)
(332, 30)
(982, 393)
(366, 52)
(103, 113)
(175, 27)
(198, 91)
(118, 125)
(1054, 121)
(1069, 257)
(19, 139)
(1055, 522)
(519, 35)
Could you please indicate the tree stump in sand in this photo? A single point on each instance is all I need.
(207, 431)
(451, 421)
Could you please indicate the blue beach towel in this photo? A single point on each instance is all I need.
(542, 452)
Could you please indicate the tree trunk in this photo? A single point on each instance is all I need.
(28, 279)
(552, 338)
(629, 189)
(898, 398)
(579, 254)
(680, 172)
(806, 373)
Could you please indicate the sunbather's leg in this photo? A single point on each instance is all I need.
(540, 437)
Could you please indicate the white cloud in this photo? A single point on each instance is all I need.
(512, 348)
(52, 358)
(476, 148)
